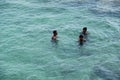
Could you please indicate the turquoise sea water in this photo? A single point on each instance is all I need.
(26, 50)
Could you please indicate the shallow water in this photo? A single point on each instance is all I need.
(26, 50)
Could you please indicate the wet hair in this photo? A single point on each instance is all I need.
(55, 31)
(85, 28)
(81, 36)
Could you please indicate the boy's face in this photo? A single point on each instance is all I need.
(84, 30)
(55, 33)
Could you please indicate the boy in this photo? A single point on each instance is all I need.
(84, 32)
(54, 37)
(81, 40)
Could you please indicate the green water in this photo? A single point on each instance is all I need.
(26, 50)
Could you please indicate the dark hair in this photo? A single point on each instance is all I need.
(85, 28)
(55, 31)
(81, 36)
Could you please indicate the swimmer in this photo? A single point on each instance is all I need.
(84, 32)
(54, 37)
(81, 40)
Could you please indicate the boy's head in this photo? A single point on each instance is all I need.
(55, 32)
(81, 36)
(85, 29)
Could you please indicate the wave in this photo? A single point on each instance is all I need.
(45, 1)
(107, 8)
(108, 71)
(105, 11)
(113, 3)
(102, 7)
